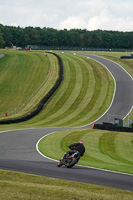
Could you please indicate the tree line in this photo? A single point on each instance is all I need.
(21, 37)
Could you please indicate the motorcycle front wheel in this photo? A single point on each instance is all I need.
(59, 164)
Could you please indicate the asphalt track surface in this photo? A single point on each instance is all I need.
(1, 55)
(18, 147)
(123, 96)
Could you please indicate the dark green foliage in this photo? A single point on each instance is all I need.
(1, 40)
(65, 38)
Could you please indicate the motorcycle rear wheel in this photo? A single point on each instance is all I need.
(71, 163)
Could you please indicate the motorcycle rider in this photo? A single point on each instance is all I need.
(78, 146)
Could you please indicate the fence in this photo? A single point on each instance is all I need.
(120, 120)
(39, 47)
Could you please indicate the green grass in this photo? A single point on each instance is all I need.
(22, 186)
(24, 80)
(104, 149)
(84, 95)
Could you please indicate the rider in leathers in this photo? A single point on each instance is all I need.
(78, 146)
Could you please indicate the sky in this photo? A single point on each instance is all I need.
(116, 15)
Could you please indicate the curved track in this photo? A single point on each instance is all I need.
(2, 55)
(18, 152)
(123, 98)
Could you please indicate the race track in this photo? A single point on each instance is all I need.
(18, 148)
(123, 98)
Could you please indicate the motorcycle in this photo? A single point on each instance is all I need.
(70, 160)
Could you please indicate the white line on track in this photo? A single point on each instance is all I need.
(39, 150)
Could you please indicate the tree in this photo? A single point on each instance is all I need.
(1, 40)
(63, 39)
(66, 38)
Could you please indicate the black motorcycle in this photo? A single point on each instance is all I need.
(70, 160)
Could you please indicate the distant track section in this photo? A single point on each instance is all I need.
(2, 55)
(42, 102)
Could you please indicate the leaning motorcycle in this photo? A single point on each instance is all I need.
(70, 160)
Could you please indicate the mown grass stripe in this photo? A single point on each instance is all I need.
(82, 91)
(59, 107)
(95, 104)
(74, 107)
(53, 108)
(93, 154)
(100, 146)
(102, 103)
(72, 79)
(86, 104)
(108, 146)
(31, 70)
(85, 95)
(124, 148)
(69, 107)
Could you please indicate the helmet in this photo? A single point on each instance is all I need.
(81, 142)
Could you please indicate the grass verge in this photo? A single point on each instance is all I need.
(18, 186)
(22, 186)
(24, 80)
(104, 149)
(84, 95)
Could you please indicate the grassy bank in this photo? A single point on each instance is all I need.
(84, 95)
(104, 149)
(22, 186)
(24, 80)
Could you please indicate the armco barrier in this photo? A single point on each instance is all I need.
(40, 106)
(112, 127)
(126, 57)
